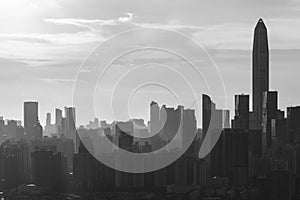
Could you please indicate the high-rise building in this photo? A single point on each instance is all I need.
(11, 128)
(38, 131)
(229, 157)
(226, 119)
(270, 111)
(189, 129)
(170, 122)
(20, 132)
(154, 118)
(208, 107)
(241, 118)
(50, 129)
(220, 119)
(49, 169)
(15, 166)
(2, 128)
(64, 126)
(30, 118)
(71, 122)
(123, 132)
(279, 130)
(236, 156)
(217, 158)
(293, 124)
(93, 124)
(83, 169)
(260, 76)
(58, 121)
(48, 119)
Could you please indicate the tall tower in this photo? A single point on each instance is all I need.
(241, 118)
(30, 118)
(58, 121)
(208, 107)
(48, 119)
(71, 122)
(154, 118)
(260, 62)
(270, 111)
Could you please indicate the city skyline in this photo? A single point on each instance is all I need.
(190, 148)
(53, 40)
(260, 85)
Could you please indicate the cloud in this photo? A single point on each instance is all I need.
(84, 23)
(47, 49)
(127, 18)
(90, 23)
(93, 24)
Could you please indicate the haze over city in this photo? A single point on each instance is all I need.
(44, 43)
(157, 100)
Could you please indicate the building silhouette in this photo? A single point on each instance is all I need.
(69, 126)
(257, 158)
(241, 118)
(30, 118)
(14, 163)
(154, 118)
(58, 121)
(279, 130)
(48, 119)
(260, 73)
(70, 122)
(270, 108)
(49, 169)
(38, 131)
(293, 125)
(208, 107)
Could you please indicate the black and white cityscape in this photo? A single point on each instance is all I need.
(256, 153)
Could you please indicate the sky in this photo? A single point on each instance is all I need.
(43, 46)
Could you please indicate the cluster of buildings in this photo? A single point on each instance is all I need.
(261, 150)
(27, 156)
(256, 155)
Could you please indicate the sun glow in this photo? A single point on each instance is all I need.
(14, 9)
(24, 15)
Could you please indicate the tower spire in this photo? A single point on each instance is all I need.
(260, 69)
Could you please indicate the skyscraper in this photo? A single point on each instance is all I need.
(260, 62)
(71, 122)
(154, 118)
(123, 132)
(279, 130)
(70, 126)
(241, 118)
(30, 118)
(293, 125)
(48, 119)
(270, 111)
(58, 121)
(170, 119)
(38, 131)
(49, 169)
(236, 144)
(189, 127)
(208, 107)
